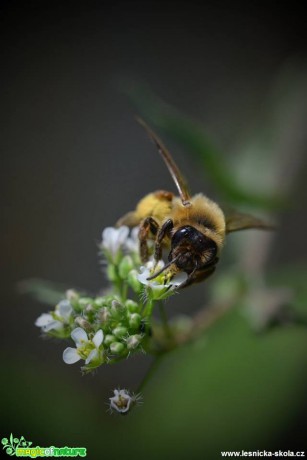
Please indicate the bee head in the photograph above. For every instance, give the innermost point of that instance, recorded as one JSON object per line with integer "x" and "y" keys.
{"x": 190, "y": 249}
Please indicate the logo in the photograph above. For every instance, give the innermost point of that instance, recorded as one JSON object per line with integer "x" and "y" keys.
{"x": 22, "y": 448}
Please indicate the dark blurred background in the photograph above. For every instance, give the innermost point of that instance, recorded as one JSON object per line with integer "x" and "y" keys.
{"x": 75, "y": 160}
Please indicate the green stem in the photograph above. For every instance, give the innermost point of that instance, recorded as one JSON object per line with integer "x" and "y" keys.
{"x": 148, "y": 308}
{"x": 164, "y": 318}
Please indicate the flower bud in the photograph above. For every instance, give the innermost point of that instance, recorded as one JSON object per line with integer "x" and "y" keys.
{"x": 104, "y": 315}
{"x": 116, "y": 308}
{"x": 133, "y": 341}
{"x": 72, "y": 295}
{"x": 99, "y": 301}
{"x": 89, "y": 308}
{"x": 83, "y": 323}
{"x": 117, "y": 347}
{"x": 132, "y": 306}
{"x": 133, "y": 281}
{"x": 135, "y": 320}
{"x": 109, "y": 339}
{"x": 85, "y": 301}
{"x": 125, "y": 266}
{"x": 120, "y": 332}
{"x": 111, "y": 273}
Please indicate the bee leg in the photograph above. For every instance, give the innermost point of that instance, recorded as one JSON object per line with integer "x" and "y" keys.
{"x": 197, "y": 276}
{"x": 163, "y": 232}
{"x": 149, "y": 225}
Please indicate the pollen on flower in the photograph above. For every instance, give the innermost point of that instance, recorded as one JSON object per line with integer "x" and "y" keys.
{"x": 161, "y": 286}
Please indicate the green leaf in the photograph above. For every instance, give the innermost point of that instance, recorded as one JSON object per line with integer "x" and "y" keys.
{"x": 44, "y": 291}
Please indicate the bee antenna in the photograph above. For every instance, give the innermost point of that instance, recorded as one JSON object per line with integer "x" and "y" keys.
{"x": 162, "y": 269}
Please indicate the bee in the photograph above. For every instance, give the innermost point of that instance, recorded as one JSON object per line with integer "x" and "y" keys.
{"x": 192, "y": 228}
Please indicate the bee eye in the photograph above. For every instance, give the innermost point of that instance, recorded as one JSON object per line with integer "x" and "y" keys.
{"x": 182, "y": 233}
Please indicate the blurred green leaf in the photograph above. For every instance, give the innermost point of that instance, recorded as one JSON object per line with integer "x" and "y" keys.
{"x": 44, "y": 291}
{"x": 232, "y": 389}
{"x": 191, "y": 136}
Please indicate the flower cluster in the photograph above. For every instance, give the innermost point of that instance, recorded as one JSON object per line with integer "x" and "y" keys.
{"x": 110, "y": 327}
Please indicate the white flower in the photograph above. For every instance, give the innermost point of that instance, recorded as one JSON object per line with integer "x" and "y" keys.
{"x": 132, "y": 243}
{"x": 57, "y": 319}
{"x": 113, "y": 240}
{"x": 163, "y": 285}
{"x": 122, "y": 401}
{"x": 86, "y": 349}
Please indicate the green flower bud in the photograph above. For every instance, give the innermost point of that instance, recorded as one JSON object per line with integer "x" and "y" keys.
{"x": 100, "y": 301}
{"x": 135, "y": 320}
{"x": 89, "y": 309}
{"x": 133, "y": 341}
{"x": 117, "y": 347}
{"x": 125, "y": 266}
{"x": 109, "y": 339}
{"x": 132, "y": 306}
{"x": 134, "y": 282}
{"x": 120, "y": 332}
{"x": 117, "y": 309}
{"x": 85, "y": 301}
{"x": 112, "y": 273}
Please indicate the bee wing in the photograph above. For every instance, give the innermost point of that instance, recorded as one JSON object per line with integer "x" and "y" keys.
{"x": 236, "y": 221}
{"x": 170, "y": 163}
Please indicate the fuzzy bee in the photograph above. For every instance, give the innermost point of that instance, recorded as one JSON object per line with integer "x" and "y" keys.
{"x": 193, "y": 228}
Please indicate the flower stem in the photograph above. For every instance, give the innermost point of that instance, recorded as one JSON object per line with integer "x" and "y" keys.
{"x": 164, "y": 318}
{"x": 148, "y": 308}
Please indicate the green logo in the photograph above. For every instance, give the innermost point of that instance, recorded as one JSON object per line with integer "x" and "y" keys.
{"x": 22, "y": 448}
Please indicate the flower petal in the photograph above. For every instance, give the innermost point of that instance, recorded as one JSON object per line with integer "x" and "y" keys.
{"x": 179, "y": 279}
{"x": 98, "y": 338}
{"x": 43, "y": 320}
{"x": 93, "y": 354}
{"x": 122, "y": 234}
{"x": 70, "y": 355}
{"x": 64, "y": 308}
{"x": 79, "y": 335}
{"x": 54, "y": 324}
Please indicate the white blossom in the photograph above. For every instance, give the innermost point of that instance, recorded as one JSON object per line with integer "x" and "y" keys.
{"x": 132, "y": 243}
{"x": 114, "y": 240}
{"x": 162, "y": 285}
{"x": 86, "y": 349}
{"x": 122, "y": 401}
{"x": 57, "y": 319}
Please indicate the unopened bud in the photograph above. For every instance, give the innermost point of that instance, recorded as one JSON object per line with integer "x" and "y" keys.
{"x": 89, "y": 308}
{"x": 116, "y": 308}
{"x": 133, "y": 341}
{"x": 125, "y": 266}
{"x": 134, "y": 282}
{"x": 85, "y": 301}
{"x": 72, "y": 295}
{"x": 132, "y": 306}
{"x": 117, "y": 347}
{"x": 83, "y": 323}
{"x": 109, "y": 339}
{"x": 111, "y": 273}
{"x": 135, "y": 320}
{"x": 120, "y": 332}
{"x": 104, "y": 315}
{"x": 99, "y": 302}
